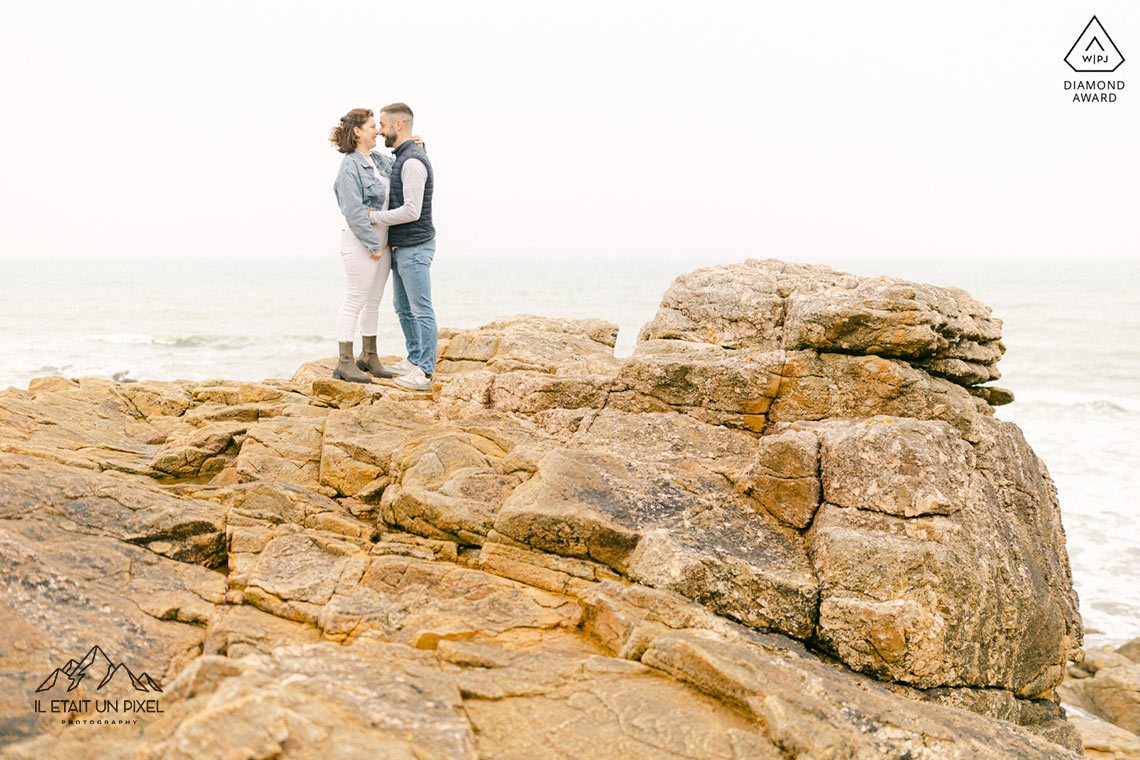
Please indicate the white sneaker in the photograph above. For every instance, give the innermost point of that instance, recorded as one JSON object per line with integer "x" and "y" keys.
{"x": 403, "y": 367}
{"x": 415, "y": 380}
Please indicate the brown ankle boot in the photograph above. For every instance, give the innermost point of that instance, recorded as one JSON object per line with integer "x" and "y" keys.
{"x": 369, "y": 360}
{"x": 346, "y": 368}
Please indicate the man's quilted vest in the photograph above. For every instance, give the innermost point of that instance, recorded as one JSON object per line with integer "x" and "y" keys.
{"x": 421, "y": 230}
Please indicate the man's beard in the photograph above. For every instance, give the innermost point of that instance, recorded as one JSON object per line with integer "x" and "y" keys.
{"x": 389, "y": 140}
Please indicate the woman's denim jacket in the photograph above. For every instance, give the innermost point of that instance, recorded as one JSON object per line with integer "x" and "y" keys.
{"x": 358, "y": 192}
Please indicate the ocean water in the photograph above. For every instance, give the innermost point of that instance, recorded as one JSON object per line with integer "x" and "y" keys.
{"x": 1071, "y": 327}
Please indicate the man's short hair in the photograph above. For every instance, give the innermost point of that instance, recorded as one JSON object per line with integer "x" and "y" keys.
{"x": 399, "y": 111}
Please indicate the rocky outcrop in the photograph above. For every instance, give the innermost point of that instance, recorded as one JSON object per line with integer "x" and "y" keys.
{"x": 1104, "y": 741}
{"x": 788, "y": 526}
{"x": 770, "y": 305}
{"x": 1106, "y": 684}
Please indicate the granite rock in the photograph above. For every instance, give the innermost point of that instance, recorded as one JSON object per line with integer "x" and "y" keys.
{"x": 788, "y": 525}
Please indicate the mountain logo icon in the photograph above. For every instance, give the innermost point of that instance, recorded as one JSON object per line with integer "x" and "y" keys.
{"x": 97, "y": 664}
{"x": 1094, "y": 50}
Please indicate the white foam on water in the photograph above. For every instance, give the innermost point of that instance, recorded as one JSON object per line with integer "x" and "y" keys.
{"x": 122, "y": 339}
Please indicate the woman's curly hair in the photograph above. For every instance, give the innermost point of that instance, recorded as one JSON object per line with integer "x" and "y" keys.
{"x": 342, "y": 137}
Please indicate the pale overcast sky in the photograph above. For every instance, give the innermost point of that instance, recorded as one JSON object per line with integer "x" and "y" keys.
{"x": 604, "y": 128}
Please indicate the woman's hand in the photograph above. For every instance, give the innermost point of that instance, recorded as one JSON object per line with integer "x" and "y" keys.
{"x": 418, "y": 140}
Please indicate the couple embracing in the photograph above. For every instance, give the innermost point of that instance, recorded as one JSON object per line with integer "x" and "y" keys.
{"x": 386, "y": 202}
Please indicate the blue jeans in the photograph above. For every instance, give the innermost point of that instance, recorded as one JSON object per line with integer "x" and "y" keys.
{"x": 411, "y": 296}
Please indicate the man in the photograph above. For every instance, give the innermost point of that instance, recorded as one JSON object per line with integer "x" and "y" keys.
{"x": 412, "y": 239}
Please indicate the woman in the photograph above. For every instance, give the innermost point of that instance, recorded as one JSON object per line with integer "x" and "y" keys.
{"x": 361, "y": 186}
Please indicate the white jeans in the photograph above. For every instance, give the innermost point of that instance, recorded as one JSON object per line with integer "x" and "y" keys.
{"x": 364, "y": 285}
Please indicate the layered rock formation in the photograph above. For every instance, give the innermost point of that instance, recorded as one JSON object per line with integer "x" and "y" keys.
{"x": 788, "y": 525}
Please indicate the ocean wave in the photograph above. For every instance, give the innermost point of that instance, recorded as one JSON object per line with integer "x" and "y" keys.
{"x": 187, "y": 341}
{"x": 50, "y": 369}
{"x": 307, "y": 338}
{"x": 228, "y": 342}
{"x": 122, "y": 338}
{"x": 222, "y": 342}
